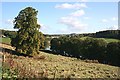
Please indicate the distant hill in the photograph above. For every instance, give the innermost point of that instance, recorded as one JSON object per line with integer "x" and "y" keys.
{"x": 101, "y": 34}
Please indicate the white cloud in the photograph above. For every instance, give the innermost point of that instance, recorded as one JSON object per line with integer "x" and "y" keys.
{"x": 87, "y": 18}
{"x": 44, "y": 28}
{"x": 104, "y": 20}
{"x": 114, "y": 18}
{"x": 78, "y": 13}
{"x": 9, "y": 21}
{"x": 63, "y": 30}
{"x": 109, "y": 20}
{"x": 84, "y": 0}
{"x": 73, "y": 23}
{"x": 71, "y": 6}
{"x": 115, "y": 27}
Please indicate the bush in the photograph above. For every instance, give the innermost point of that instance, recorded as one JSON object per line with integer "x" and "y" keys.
{"x": 113, "y": 53}
{"x": 10, "y": 34}
{"x": 94, "y": 48}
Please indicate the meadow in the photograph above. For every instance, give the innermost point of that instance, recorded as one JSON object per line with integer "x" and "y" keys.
{"x": 53, "y": 66}
{"x": 5, "y": 40}
{"x": 49, "y": 65}
{"x": 8, "y": 40}
{"x": 108, "y": 40}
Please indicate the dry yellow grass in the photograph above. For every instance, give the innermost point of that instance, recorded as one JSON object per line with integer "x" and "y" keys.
{"x": 57, "y": 66}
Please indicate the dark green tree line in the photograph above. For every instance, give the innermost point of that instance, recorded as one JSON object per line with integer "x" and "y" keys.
{"x": 89, "y": 48}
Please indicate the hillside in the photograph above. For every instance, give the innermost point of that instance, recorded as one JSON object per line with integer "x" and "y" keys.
{"x": 52, "y": 66}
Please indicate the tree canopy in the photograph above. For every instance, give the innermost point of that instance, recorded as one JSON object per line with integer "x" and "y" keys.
{"x": 87, "y": 48}
{"x": 27, "y": 40}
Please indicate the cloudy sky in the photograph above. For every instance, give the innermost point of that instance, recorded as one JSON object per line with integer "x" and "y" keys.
{"x": 65, "y": 17}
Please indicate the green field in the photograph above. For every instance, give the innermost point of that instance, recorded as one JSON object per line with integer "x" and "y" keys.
{"x": 8, "y": 40}
{"x": 111, "y": 40}
{"x": 108, "y": 40}
{"x": 5, "y": 40}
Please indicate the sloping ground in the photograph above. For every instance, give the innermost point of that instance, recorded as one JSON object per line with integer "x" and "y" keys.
{"x": 5, "y": 40}
{"x": 56, "y": 66}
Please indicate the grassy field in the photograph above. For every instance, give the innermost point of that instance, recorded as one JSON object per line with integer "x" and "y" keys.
{"x": 8, "y": 40}
{"x": 108, "y": 40}
{"x": 54, "y": 66}
{"x": 5, "y": 40}
{"x": 111, "y": 40}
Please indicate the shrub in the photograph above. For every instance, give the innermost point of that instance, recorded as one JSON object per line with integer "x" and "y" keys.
{"x": 94, "y": 48}
{"x": 113, "y": 53}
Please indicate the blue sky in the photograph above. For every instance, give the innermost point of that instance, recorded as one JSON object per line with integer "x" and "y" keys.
{"x": 65, "y": 17}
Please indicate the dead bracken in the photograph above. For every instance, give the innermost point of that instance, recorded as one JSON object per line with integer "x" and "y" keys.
{"x": 50, "y": 66}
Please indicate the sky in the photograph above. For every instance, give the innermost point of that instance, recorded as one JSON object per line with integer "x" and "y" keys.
{"x": 65, "y": 17}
